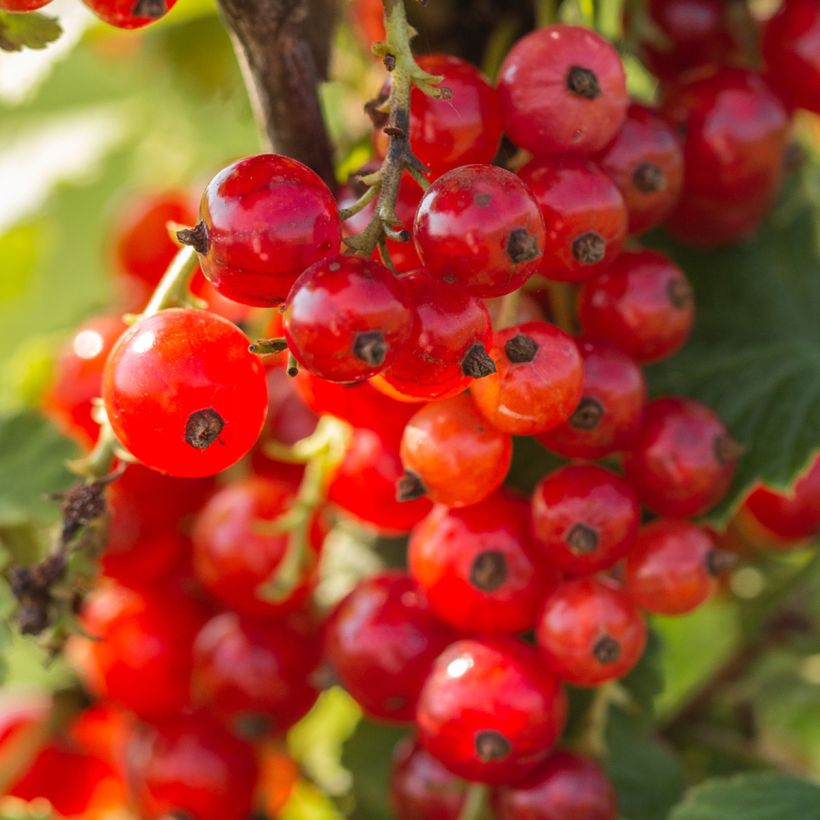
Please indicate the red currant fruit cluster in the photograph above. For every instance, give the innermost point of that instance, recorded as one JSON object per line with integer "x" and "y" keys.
{"x": 125, "y": 14}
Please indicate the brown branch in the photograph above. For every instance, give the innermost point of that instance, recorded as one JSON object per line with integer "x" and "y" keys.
{"x": 283, "y": 48}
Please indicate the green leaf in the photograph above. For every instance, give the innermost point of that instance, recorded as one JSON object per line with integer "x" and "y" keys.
{"x": 751, "y": 797}
{"x": 754, "y": 356}
{"x": 32, "y": 455}
{"x": 646, "y": 680}
{"x": 19, "y": 31}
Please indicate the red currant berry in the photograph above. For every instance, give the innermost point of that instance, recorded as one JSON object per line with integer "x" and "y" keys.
{"x": 538, "y": 379}
{"x": 608, "y": 416}
{"x": 382, "y": 640}
{"x": 683, "y": 460}
{"x": 672, "y": 567}
{"x": 584, "y": 213}
{"x": 22, "y": 5}
{"x": 462, "y": 128}
{"x": 448, "y": 348}
{"x": 346, "y": 318}
{"x": 421, "y": 788}
{"x": 645, "y": 161}
{"x": 643, "y": 304}
{"x": 183, "y": 393}
{"x": 693, "y": 33}
{"x": 452, "y": 455}
{"x": 791, "y": 49}
{"x": 141, "y": 657}
{"x": 477, "y": 566}
{"x": 479, "y": 227}
{"x": 787, "y": 517}
{"x": 589, "y": 632}
{"x": 584, "y": 518}
{"x": 562, "y": 91}
{"x": 489, "y": 710}
{"x": 77, "y": 378}
{"x": 565, "y": 786}
{"x": 264, "y": 220}
{"x": 365, "y": 484}
{"x": 234, "y": 556}
{"x": 191, "y": 767}
{"x": 129, "y": 14}
{"x": 253, "y": 675}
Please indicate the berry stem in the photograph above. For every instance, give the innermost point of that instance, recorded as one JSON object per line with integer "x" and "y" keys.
{"x": 593, "y": 739}
{"x": 509, "y": 310}
{"x": 475, "y": 801}
{"x": 562, "y": 304}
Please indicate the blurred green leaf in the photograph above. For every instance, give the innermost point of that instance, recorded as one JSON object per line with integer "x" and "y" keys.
{"x": 20, "y": 251}
{"x": 751, "y": 797}
{"x": 646, "y": 680}
{"x": 32, "y": 30}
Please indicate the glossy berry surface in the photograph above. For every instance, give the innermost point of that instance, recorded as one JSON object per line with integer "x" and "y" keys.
{"x": 645, "y": 161}
{"x": 489, "y": 710}
{"x": 346, "y": 318}
{"x": 671, "y": 568}
{"x": 264, "y": 220}
{"x": 142, "y": 659}
{"x": 22, "y": 5}
{"x": 563, "y": 91}
{"x": 684, "y": 458}
{"x": 77, "y": 378}
{"x": 191, "y": 766}
{"x": 183, "y": 393}
{"x": 791, "y": 49}
{"x": 233, "y": 554}
{"x": 477, "y": 566}
{"x": 589, "y": 632}
{"x": 452, "y": 454}
{"x": 128, "y": 14}
{"x": 608, "y": 415}
{"x": 382, "y": 640}
{"x": 643, "y": 304}
{"x": 565, "y": 786}
{"x": 537, "y": 383}
{"x": 479, "y": 227}
{"x": 448, "y": 346}
{"x": 464, "y": 128}
{"x": 253, "y": 675}
{"x": 584, "y": 518}
{"x": 420, "y": 787}
{"x": 584, "y": 214}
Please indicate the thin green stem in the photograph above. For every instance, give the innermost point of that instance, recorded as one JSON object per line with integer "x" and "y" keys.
{"x": 509, "y": 310}
{"x": 562, "y": 305}
{"x": 475, "y": 801}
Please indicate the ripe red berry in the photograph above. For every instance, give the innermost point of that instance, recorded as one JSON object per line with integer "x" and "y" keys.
{"x": 452, "y": 455}
{"x": 382, "y": 640}
{"x": 790, "y": 49}
{"x": 538, "y": 379}
{"x": 489, "y": 710}
{"x": 191, "y": 766}
{"x": 608, "y": 416}
{"x": 477, "y": 566}
{"x": 183, "y": 393}
{"x": 234, "y": 556}
{"x": 77, "y": 378}
{"x": 420, "y": 787}
{"x": 365, "y": 484}
{"x": 141, "y": 656}
{"x": 589, "y": 632}
{"x": 584, "y": 518}
{"x": 346, "y": 318}
{"x": 565, "y": 786}
{"x": 448, "y": 346}
{"x": 254, "y": 674}
{"x": 264, "y": 219}
{"x": 562, "y": 91}
{"x": 671, "y": 567}
{"x": 645, "y": 161}
{"x": 643, "y": 304}
{"x": 479, "y": 227}
{"x": 584, "y": 213}
{"x": 683, "y": 460}
{"x": 129, "y": 14}
{"x": 22, "y": 5}
{"x": 459, "y": 130}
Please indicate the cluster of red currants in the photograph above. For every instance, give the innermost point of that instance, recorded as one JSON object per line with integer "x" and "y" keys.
{"x": 506, "y": 598}
{"x": 126, "y": 14}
